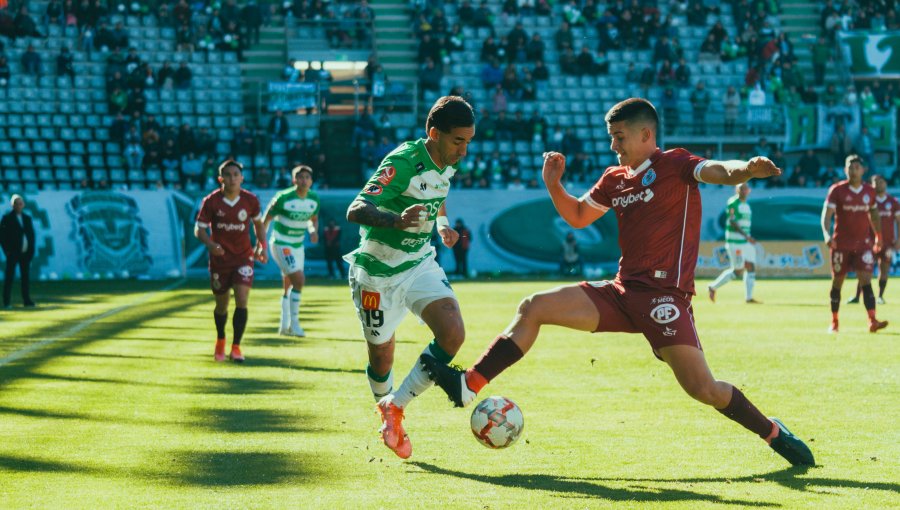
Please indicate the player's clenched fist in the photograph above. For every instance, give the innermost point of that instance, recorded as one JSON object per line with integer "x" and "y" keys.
{"x": 554, "y": 167}
{"x": 761, "y": 167}
{"x": 412, "y": 216}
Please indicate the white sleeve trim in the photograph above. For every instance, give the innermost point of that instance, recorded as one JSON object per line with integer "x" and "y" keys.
{"x": 202, "y": 224}
{"x": 586, "y": 198}
{"x": 697, "y": 169}
{"x": 831, "y": 205}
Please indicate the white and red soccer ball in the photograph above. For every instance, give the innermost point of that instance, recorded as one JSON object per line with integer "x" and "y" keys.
{"x": 497, "y": 422}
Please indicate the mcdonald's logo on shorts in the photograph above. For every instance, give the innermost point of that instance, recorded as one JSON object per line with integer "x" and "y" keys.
{"x": 285, "y": 251}
{"x": 371, "y": 300}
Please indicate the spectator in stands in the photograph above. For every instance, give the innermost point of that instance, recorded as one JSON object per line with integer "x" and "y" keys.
{"x": 137, "y": 101}
{"x": 278, "y": 128}
{"x": 165, "y": 78}
{"x": 251, "y": 17}
{"x": 185, "y": 38}
{"x": 134, "y": 154}
{"x": 169, "y": 158}
{"x": 669, "y": 106}
{"x": 54, "y": 14}
{"x": 683, "y": 74}
{"x": 104, "y": 40}
{"x": 31, "y": 62}
{"x": 296, "y": 153}
{"x": 487, "y": 126}
{"x": 151, "y": 124}
{"x": 5, "y": 74}
{"x": 118, "y": 100}
{"x": 183, "y": 76}
{"x": 730, "y": 50}
{"x": 191, "y": 170}
{"x": 731, "y": 102}
{"x": 807, "y": 171}
{"x": 430, "y": 76}
{"x": 563, "y": 38}
{"x": 841, "y": 145}
{"x": 483, "y": 17}
{"x": 710, "y": 49}
{"x": 700, "y": 100}
{"x": 499, "y": 100}
{"x": 568, "y": 62}
{"x": 582, "y": 168}
{"x": 763, "y": 148}
{"x": 527, "y": 87}
{"x": 665, "y": 77}
{"x": 242, "y": 145}
{"x": 865, "y": 147}
{"x": 491, "y": 74}
{"x": 504, "y": 126}
{"x": 25, "y": 25}
{"x": 540, "y": 73}
{"x": 535, "y": 48}
{"x": 490, "y": 50}
{"x": 648, "y": 75}
{"x": 538, "y": 127}
{"x": 429, "y": 47}
{"x": 65, "y": 64}
{"x": 571, "y": 144}
{"x": 120, "y": 36}
{"x": 455, "y": 40}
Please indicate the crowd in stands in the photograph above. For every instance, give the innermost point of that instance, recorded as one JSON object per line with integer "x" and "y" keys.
{"x": 347, "y": 24}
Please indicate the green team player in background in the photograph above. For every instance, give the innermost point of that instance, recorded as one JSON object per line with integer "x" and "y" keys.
{"x": 394, "y": 269}
{"x": 294, "y": 212}
{"x": 740, "y": 245}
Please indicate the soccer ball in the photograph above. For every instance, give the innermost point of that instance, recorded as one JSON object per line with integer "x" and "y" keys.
{"x": 497, "y": 422}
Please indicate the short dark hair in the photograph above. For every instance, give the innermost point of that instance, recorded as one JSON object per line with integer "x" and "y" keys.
{"x": 301, "y": 168}
{"x": 853, "y": 158}
{"x": 634, "y": 109}
{"x": 230, "y": 162}
{"x": 450, "y": 112}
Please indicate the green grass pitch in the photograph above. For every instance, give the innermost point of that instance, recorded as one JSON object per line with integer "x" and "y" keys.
{"x": 109, "y": 398}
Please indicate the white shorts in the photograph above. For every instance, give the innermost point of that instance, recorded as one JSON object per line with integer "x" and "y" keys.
{"x": 382, "y": 303}
{"x": 289, "y": 259}
{"x": 741, "y": 253}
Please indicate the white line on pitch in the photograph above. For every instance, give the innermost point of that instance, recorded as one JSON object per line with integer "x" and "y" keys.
{"x": 83, "y": 324}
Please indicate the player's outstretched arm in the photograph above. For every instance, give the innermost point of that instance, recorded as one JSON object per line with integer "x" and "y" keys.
{"x": 363, "y": 212}
{"x": 736, "y": 172}
{"x": 576, "y": 213}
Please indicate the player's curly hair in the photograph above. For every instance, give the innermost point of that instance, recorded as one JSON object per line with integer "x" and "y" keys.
{"x": 634, "y": 109}
{"x": 450, "y": 112}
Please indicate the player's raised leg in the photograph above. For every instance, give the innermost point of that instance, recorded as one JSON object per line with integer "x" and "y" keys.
{"x": 567, "y": 306}
{"x": 688, "y": 363}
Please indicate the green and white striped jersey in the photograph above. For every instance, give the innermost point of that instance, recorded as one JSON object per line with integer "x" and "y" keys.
{"x": 407, "y": 176}
{"x": 742, "y": 216}
{"x": 291, "y": 215}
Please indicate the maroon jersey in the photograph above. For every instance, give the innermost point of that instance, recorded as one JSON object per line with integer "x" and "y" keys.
{"x": 888, "y": 208}
{"x": 657, "y": 206}
{"x": 229, "y": 221}
{"x": 852, "y": 226}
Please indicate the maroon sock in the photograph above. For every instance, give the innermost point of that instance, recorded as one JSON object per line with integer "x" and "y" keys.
{"x": 744, "y": 412}
{"x": 502, "y": 353}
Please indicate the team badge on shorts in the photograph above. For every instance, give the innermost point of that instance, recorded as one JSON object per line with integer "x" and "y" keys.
{"x": 370, "y": 300}
{"x": 245, "y": 271}
{"x": 285, "y": 251}
{"x": 216, "y": 283}
{"x": 665, "y": 313}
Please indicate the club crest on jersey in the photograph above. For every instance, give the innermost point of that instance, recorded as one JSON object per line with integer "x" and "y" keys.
{"x": 865, "y": 199}
{"x": 373, "y": 189}
{"x": 370, "y": 300}
{"x": 242, "y": 215}
{"x": 665, "y": 313}
{"x": 387, "y": 175}
{"x": 649, "y": 177}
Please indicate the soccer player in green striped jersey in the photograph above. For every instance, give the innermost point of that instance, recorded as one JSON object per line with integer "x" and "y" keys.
{"x": 293, "y": 212}
{"x": 740, "y": 244}
{"x": 394, "y": 269}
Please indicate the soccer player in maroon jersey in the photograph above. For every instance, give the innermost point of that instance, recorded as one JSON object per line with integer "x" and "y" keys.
{"x": 227, "y": 213}
{"x": 851, "y": 205}
{"x": 655, "y": 198}
{"x": 889, "y": 211}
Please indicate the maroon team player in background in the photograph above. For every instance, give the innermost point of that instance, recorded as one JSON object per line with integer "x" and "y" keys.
{"x": 889, "y": 211}
{"x": 857, "y": 236}
{"x": 228, "y": 213}
{"x": 656, "y": 200}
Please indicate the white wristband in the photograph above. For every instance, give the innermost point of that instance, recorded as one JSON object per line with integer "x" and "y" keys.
{"x": 442, "y": 222}
{"x": 310, "y": 227}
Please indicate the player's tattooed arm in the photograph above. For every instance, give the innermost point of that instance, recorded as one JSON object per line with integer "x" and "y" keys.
{"x": 736, "y": 171}
{"x": 363, "y": 212}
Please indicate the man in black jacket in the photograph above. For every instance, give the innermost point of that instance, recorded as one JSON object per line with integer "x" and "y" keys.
{"x": 17, "y": 240}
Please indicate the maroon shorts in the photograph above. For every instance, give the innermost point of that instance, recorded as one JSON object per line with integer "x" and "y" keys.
{"x": 222, "y": 278}
{"x": 664, "y": 317}
{"x": 844, "y": 261}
